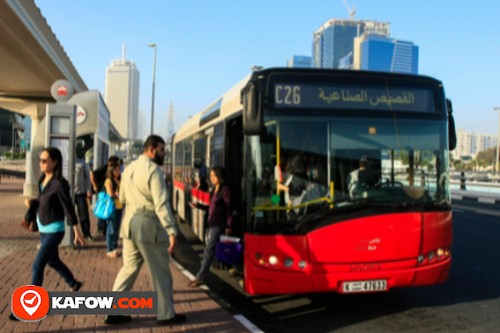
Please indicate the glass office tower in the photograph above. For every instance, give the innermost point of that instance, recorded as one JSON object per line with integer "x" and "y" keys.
{"x": 298, "y": 61}
{"x": 335, "y": 39}
{"x": 381, "y": 53}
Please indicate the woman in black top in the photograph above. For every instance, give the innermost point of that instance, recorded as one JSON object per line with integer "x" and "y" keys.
{"x": 53, "y": 205}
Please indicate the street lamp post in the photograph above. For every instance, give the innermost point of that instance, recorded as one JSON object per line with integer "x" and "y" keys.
{"x": 498, "y": 139}
{"x": 153, "y": 45}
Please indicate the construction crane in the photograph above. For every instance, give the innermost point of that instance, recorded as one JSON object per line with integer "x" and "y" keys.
{"x": 352, "y": 11}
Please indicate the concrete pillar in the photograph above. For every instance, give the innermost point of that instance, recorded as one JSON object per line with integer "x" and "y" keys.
{"x": 36, "y": 112}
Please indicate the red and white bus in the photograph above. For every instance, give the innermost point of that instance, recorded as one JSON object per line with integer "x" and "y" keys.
{"x": 366, "y": 154}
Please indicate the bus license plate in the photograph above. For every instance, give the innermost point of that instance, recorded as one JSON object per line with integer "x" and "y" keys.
{"x": 364, "y": 286}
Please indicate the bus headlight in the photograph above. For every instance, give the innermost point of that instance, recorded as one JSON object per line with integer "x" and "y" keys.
{"x": 281, "y": 262}
{"x": 434, "y": 256}
{"x": 273, "y": 260}
{"x": 420, "y": 258}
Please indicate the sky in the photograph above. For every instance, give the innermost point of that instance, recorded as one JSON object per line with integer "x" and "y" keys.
{"x": 205, "y": 47}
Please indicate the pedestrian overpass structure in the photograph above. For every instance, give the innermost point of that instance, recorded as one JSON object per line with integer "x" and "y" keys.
{"x": 31, "y": 60}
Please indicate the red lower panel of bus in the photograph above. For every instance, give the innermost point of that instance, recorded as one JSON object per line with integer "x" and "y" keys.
{"x": 368, "y": 254}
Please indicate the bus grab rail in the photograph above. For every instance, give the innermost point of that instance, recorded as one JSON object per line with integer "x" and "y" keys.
{"x": 305, "y": 204}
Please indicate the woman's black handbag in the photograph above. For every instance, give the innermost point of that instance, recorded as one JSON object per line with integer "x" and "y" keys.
{"x": 29, "y": 220}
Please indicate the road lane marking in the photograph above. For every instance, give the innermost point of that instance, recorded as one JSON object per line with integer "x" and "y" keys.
{"x": 486, "y": 200}
{"x": 248, "y": 324}
{"x": 240, "y": 318}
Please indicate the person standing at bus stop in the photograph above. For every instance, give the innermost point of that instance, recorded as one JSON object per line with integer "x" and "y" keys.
{"x": 148, "y": 231}
{"x": 112, "y": 186}
{"x": 219, "y": 217}
{"x": 83, "y": 192}
{"x": 97, "y": 178}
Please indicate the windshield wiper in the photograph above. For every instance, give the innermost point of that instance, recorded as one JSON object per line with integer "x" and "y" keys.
{"x": 365, "y": 202}
{"x": 327, "y": 206}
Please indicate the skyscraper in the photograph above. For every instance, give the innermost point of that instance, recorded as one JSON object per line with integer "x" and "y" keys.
{"x": 382, "y": 53}
{"x": 122, "y": 96}
{"x": 334, "y": 40}
{"x": 300, "y": 62}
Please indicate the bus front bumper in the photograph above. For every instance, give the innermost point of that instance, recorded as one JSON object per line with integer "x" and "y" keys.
{"x": 331, "y": 278}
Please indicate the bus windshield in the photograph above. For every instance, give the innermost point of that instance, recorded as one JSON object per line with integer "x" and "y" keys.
{"x": 307, "y": 168}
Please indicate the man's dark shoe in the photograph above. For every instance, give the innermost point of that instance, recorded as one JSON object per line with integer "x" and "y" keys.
{"x": 77, "y": 286}
{"x": 177, "y": 319}
{"x": 116, "y": 319}
{"x": 12, "y": 317}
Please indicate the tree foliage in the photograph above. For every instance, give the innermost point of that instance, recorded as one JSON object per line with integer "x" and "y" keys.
{"x": 486, "y": 157}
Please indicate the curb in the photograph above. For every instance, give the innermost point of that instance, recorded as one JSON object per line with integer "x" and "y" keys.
{"x": 240, "y": 318}
{"x": 488, "y": 200}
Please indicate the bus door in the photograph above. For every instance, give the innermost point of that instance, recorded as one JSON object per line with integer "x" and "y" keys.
{"x": 182, "y": 184}
{"x": 234, "y": 168}
{"x": 199, "y": 190}
{"x": 209, "y": 133}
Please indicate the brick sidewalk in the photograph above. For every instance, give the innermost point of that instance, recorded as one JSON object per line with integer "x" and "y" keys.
{"x": 90, "y": 265}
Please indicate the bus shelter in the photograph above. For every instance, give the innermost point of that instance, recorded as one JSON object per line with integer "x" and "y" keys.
{"x": 94, "y": 136}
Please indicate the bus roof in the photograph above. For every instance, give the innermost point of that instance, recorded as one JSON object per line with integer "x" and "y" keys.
{"x": 230, "y": 103}
{"x": 344, "y": 72}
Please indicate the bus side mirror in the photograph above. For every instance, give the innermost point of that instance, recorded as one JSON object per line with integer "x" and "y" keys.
{"x": 452, "y": 134}
{"x": 252, "y": 113}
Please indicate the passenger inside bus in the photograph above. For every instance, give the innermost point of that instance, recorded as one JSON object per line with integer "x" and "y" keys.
{"x": 316, "y": 171}
{"x": 300, "y": 189}
{"x": 267, "y": 182}
{"x": 317, "y": 186}
{"x": 294, "y": 184}
{"x": 362, "y": 178}
{"x": 199, "y": 175}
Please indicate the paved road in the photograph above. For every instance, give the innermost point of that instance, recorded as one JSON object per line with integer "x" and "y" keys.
{"x": 468, "y": 302}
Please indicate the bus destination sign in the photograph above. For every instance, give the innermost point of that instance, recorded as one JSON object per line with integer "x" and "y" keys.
{"x": 310, "y": 96}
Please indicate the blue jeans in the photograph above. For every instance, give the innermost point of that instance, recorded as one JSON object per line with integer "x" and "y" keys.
{"x": 209, "y": 252}
{"x": 49, "y": 254}
{"x": 113, "y": 230}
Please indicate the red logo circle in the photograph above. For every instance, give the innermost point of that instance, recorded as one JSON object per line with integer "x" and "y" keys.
{"x": 30, "y": 303}
{"x": 62, "y": 91}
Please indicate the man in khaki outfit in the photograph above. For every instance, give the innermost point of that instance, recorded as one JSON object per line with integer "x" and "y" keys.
{"x": 148, "y": 231}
